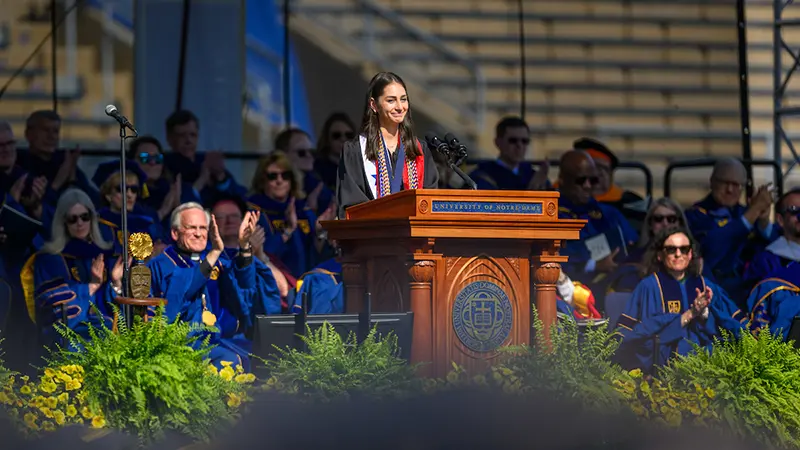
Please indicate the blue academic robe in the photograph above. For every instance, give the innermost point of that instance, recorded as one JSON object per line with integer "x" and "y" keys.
{"x": 268, "y": 298}
{"x": 491, "y": 175}
{"x": 602, "y": 220}
{"x": 726, "y": 242}
{"x": 229, "y": 293}
{"x": 37, "y": 167}
{"x": 110, "y": 224}
{"x": 774, "y": 258}
{"x": 775, "y": 301}
{"x": 52, "y": 280}
{"x": 655, "y": 309}
{"x": 190, "y": 171}
{"x": 323, "y": 289}
{"x": 298, "y": 253}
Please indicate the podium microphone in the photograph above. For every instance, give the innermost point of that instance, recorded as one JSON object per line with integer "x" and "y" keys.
{"x": 111, "y": 111}
{"x": 447, "y": 151}
{"x": 456, "y": 147}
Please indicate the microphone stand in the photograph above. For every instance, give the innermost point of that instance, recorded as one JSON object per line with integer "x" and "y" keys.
{"x": 470, "y": 182}
{"x": 127, "y": 310}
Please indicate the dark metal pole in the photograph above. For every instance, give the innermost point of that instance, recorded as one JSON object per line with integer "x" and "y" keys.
{"x": 744, "y": 91}
{"x": 777, "y": 81}
{"x": 287, "y": 82}
{"x": 182, "y": 56}
{"x": 522, "y": 62}
{"x": 53, "y": 49}
{"x": 123, "y": 189}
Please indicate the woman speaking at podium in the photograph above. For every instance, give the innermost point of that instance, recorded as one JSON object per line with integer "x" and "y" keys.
{"x": 386, "y": 157}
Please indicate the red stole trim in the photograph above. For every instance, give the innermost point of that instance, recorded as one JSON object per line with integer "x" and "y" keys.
{"x": 419, "y": 162}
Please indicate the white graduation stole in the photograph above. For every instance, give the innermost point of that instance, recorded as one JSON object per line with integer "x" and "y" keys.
{"x": 369, "y": 167}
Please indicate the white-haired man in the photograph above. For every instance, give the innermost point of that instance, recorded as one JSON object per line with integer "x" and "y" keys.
{"x": 203, "y": 285}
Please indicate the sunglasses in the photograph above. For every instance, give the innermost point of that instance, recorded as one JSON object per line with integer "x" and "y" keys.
{"x": 304, "y": 152}
{"x": 146, "y": 158}
{"x": 580, "y": 181}
{"x": 132, "y": 189}
{"x": 336, "y": 135}
{"x": 672, "y": 249}
{"x": 656, "y": 218}
{"x": 272, "y": 176}
{"x": 84, "y": 217}
{"x": 523, "y": 141}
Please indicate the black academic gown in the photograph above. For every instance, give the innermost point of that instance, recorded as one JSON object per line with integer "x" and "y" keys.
{"x": 352, "y": 184}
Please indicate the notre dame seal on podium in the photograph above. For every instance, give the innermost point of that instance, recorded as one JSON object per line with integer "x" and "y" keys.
{"x": 482, "y": 316}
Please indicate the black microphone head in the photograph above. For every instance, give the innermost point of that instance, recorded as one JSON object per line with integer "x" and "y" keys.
{"x": 429, "y": 138}
{"x": 111, "y": 110}
{"x": 450, "y": 139}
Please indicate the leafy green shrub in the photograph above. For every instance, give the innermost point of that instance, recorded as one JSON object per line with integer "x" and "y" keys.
{"x": 335, "y": 368}
{"x": 654, "y": 400}
{"x": 147, "y": 379}
{"x": 756, "y": 385}
{"x": 577, "y": 365}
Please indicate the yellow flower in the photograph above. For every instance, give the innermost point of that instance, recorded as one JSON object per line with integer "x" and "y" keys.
{"x": 63, "y": 397}
{"x": 52, "y": 402}
{"x": 48, "y": 426}
{"x": 48, "y": 387}
{"x": 98, "y": 422}
{"x": 710, "y": 393}
{"x": 26, "y": 390}
{"x": 71, "y": 410}
{"x": 64, "y": 377}
{"x": 49, "y": 373}
{"x": 29, "y": 417}
{"x": 86, "y": 412}
{"x": 234, "y": 400}
{"x": 32, "y": 426}
{"x": 212, "y": 369}
{"x": 226, "y": 373}
{"x": 39, "y": 401}
{"x": 244, "y": 378}
{"x": 24, "y": 378}
{"x": 73, "y": 385}
{"x": 59, "y": 417}
{"x": 226, "y": 363}
{"x": 239, "y": 368}
{"x": 5, "y": 399}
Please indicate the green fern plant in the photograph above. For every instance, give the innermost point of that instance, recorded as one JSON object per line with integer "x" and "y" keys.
{"x": 147, "y": 379}
{"x": 576, "y": 366}
{"x": 339, "y": 368}
{"x": 756, "y": 385}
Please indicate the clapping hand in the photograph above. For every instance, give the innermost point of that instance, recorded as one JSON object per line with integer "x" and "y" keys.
{"x": 248, "y": 227}
{"x": 217, "y": 244}
{"x": 702, "y": 300}
{"x": 539, "y": 180}
{"x": 257, "y": 240}
{"x": 291, "y": 215}
{"x": 98, "y": 269}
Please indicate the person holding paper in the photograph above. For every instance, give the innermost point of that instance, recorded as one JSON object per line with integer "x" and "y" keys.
{"x": 605, "y": 239}
{"x": 386, "y": 157}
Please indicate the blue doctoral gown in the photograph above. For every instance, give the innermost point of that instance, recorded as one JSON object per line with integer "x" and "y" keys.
{"x": 298, "y": 253}
{"x": 726, "y": 242}
{"x": 268, "y": 298}
{"x": 655, "y": 309}
{"x": 229, "y": 293}
{"x": 492, "y": 175}
{"x": 602, "y": 220}
{"x": 779, "y": 255}
{"x": 323, "y": 288}
{"x": 775, "y": 302}
{"x": 52, "y": 280}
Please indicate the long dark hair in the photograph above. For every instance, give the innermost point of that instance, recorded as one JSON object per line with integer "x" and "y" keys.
{"x": 651, "y": 261}
{"x": 371, "y": 127}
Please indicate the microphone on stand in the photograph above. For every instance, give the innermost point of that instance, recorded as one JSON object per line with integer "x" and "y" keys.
{"x": 447, "y": 151}
{"x": 112, "y": 111}
{"x": 456, "y": 147}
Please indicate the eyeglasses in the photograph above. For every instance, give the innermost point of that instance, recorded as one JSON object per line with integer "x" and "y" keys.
{"x": 146, "y": 158}
{"x": 84, "y": 217}
{"x": 657, "y": 218}
{"x": 304, "y": 152}
{"x": 131, "y": 189}
{"x": 580, "y": 181}
{"x": 523, "y": 141}
{"x": 672, "y": 249}
{"x": 272, "y": 176}
{"x": 336, "y": 135}
{"x": 791, "y": 211}
{"x": 728, "y": 183}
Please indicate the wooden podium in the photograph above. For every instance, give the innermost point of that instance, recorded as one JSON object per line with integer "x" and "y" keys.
{"x": 465, "y": 262}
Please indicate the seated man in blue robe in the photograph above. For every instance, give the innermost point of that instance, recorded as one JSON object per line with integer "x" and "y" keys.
{"x": 673, "y": 308}
{"x": 510, "y": 171}
{"x": 775, "y": 301}
{"x": 730, "y": 233}
{"x": 204, "y": 286}
{"x": 605, "y": 239}
{"x": 784, "y": 252}
{"x": 322, "y": 287}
